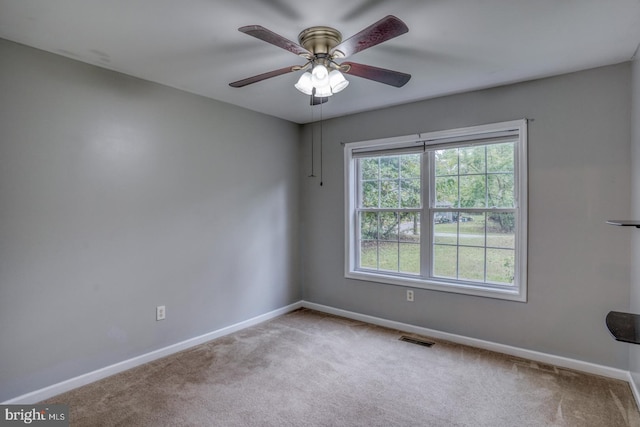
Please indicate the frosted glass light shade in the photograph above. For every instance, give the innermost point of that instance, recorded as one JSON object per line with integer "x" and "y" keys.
{"x": 323, "y": 91}
{"x": 320, "y": 76}
{"x": 337, "y": 81}
{"x": 304, "y": 84}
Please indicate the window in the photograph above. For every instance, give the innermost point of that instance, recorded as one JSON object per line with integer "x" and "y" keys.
{"x": 444, "y": 210}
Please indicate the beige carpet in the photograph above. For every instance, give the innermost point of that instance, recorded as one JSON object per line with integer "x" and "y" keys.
{"x": 311, "y": 369}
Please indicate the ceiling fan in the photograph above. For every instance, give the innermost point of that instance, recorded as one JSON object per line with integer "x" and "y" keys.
{"x": 322, "y": 47}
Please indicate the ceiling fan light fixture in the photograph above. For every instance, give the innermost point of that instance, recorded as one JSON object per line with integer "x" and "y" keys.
{"x": 304, "y": 84}
{"x": 337, "y": 81}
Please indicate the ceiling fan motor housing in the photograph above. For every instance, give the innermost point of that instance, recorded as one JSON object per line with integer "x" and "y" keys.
{"x": 320, "y": 40}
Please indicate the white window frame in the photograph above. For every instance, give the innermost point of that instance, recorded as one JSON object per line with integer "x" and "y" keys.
{"x": 429, "y": 141}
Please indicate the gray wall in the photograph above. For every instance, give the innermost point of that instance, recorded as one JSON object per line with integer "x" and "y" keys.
{"x": 634, "y": 350}
{"x": 579, "y": 176}
{"x": 117, "y": 195}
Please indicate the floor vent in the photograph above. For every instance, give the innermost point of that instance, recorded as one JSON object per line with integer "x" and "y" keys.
{"x": 416, "y": 341}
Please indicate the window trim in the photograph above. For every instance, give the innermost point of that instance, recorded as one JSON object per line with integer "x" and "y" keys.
{"x": 453, "y": 137}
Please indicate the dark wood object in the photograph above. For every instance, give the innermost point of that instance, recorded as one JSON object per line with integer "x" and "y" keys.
{"x": 624, "y": 222}
{"x": 624, "y": 327}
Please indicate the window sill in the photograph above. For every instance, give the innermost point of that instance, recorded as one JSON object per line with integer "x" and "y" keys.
{"x": 459, "y": 288}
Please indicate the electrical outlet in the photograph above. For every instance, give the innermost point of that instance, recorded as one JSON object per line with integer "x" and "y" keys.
{"x": 409, "y": 295}
{"x": 160, "y": 312}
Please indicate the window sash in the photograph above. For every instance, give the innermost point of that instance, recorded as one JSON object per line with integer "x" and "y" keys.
{"x": 400, "y": 241}
{"x": 486, "y": 246}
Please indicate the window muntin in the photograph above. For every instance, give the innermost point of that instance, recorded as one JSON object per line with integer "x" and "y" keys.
{"x": 458, "y": 224}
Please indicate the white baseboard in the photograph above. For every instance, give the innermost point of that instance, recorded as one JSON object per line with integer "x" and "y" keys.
{"x": 634, "y": 389}
{"x": 536, "y": 356}
{"x": 70, "y": 384}
{"x": 578, "y": 365}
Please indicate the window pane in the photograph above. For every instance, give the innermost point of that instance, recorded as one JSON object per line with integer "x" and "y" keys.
{"x": 388, "y": 226}
{"x": 388, "y": 256}
{"x": 409, "y": 227}
{"x": 472, "y": 231}
{"x": 501, "y": 230}
{"x": 471, "y": 263}
{"x": 446, "y": 162}
{"x": 410, "y": 166}
{"x": 447, "y": 192}
{"x": 501, "y": 190}
{"x": 445, "y": 230}
{"x": 389, "y": 167}
{"x": 500, "y": 157}
{"x": 369, "y": 254}
{"x": 389, "y": 194}
{"x": 472, "y": 191}
{"x": 368, "y": 226}
{"x": 370, "y": 194}
{"x": 410, "y": 258}
{"x": 501, "y": 266}
{"x": 410, "y": 249}
{"x": 369, "y": 168}
{"x": 472, "y": 160}
{"x": 445, "y": 261}
{"x": 410, "y": 193}
{"x": 501, "y": 222}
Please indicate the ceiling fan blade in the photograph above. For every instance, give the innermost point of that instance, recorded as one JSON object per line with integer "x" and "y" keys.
{"x": 269, "y": 36}
{"x": 263, "y": 76}
{"x": 383, "y": 30}
{"x": 389, "y": 77}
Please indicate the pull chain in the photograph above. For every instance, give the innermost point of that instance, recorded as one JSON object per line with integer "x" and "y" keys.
{"x": 312, "y": 140}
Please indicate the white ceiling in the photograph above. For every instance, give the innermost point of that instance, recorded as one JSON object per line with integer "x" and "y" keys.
{"x": 452, "y": 45}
